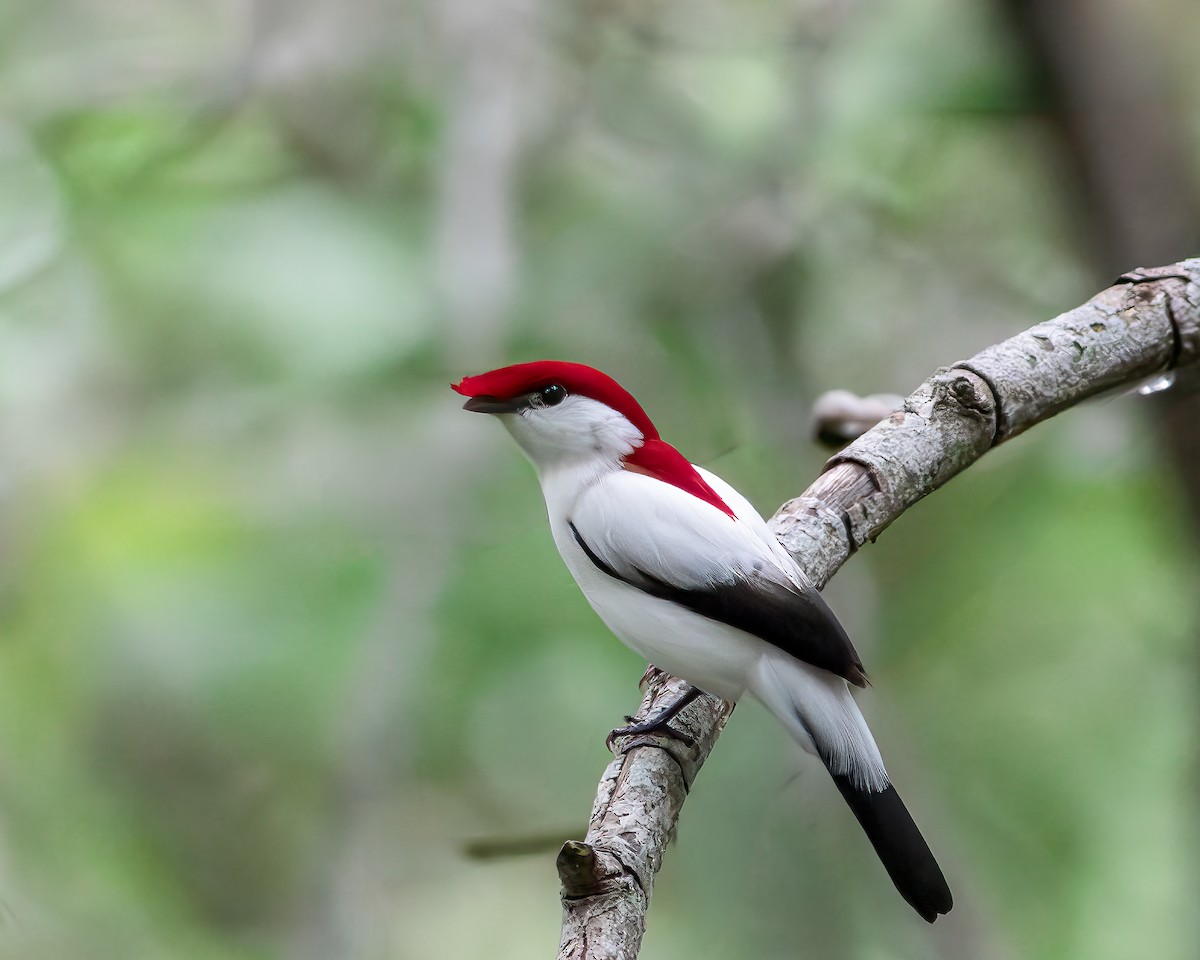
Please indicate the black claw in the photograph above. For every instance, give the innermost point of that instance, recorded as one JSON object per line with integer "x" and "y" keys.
{"x": 658, "y": 724}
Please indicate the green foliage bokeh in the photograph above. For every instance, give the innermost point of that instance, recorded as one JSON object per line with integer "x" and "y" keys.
{"x": 283, "y": 635}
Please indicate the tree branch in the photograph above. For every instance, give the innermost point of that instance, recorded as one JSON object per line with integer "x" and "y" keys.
{"x": 1147, "y": 323}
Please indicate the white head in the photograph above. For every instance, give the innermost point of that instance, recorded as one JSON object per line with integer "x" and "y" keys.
{"x": 571, "y": 417}
{"x": 561, "y": 413}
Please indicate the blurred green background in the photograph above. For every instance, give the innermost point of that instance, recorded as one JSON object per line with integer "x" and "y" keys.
{"x": 282, "y": 630}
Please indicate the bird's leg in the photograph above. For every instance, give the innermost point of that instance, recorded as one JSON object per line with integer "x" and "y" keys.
{"x": 659, "y": 723}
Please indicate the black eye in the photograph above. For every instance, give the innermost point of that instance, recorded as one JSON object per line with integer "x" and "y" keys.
{"x": 552, "y": 395}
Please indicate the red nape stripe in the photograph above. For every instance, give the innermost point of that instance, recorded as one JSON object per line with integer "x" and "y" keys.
{"x": 660, "y": 460}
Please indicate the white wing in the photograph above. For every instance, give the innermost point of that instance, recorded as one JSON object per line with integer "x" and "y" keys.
{"x": 672, "y": 545}
{"x": 758, "y": 526}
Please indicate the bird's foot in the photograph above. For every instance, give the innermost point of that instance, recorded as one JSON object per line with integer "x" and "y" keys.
{"x": 654, "y": 725}
{"x": 660, "y": 723}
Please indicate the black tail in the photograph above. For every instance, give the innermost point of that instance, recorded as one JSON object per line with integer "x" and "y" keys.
{"x": 904, "y": 852}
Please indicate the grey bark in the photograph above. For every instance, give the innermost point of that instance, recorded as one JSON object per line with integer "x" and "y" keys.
{"x": 1146, "y": 324}
{"x": 1131, "y": 184}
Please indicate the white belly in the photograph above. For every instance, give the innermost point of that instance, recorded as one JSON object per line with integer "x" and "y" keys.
{"x": 815, "y": 706}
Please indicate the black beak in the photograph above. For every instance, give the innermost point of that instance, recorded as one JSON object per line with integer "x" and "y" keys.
{"x": 491, "y": 405}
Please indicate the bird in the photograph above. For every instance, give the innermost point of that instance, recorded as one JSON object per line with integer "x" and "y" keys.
{"x": 683, "y": 569}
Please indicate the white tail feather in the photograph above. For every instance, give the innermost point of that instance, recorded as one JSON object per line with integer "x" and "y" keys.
{"x": 817, "y": 709}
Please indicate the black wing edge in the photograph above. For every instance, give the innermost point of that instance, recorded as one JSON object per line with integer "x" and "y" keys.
{"x": 800, "y": 624}
{"x": 901, "y": 848}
